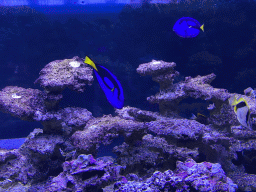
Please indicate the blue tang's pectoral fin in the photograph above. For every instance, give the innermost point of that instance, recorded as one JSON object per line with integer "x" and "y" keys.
{"x": 110, "y": 86}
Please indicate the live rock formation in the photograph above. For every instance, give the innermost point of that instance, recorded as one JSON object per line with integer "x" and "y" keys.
{"x": 150, "y": 151}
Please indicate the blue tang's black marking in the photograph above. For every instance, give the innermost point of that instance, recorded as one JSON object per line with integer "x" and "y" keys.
{"x": 109, "y": 84}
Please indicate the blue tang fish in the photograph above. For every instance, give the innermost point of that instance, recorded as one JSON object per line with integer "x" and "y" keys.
{"x": 108, "y": 83}
{"x": 187, "y": 27}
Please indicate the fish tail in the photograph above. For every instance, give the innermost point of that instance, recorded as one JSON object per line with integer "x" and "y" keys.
{"x": 90, "y": 62}
{"x": 202, "y": 27}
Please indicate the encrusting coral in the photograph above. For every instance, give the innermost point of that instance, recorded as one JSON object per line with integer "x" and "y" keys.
{"x": 155, "y": 151}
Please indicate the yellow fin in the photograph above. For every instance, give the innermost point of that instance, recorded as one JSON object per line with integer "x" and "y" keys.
{"x": 233, "y": 100}
{"x": 199, "y": 114}
{"x": 242, "y": 99}
{"x": 202, "y": 119}
{"x": 202, "y": 27}
{"x": 90, "y": 62}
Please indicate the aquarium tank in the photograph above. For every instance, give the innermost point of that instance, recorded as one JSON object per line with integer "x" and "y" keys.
{"x": 127, "y": 95}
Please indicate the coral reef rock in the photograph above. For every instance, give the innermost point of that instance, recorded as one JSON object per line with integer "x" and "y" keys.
{"x": 146, "y": 151}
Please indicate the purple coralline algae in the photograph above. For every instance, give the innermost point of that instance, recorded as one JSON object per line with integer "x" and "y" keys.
{"x": 151, "y": 151}
{"x": 71, "y": 73}
{"x": 171, "y": 93}
{"x": 21, "y": 102}
{"x": 188, "y": 176}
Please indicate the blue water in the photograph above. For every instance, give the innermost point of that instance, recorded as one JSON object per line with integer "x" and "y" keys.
{"x": 126, "y": 35}
{"x": 11, "y": 143}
